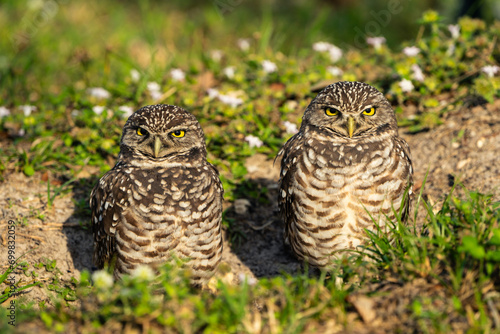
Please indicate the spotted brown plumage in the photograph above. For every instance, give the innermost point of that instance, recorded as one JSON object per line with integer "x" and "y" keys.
{"x": 346, "y": 167}
{"x": 161, "y": 200}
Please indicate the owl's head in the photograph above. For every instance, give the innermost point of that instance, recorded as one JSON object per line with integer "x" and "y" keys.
{"x": 162, "y": 132}
{"x": 350, "y": 110}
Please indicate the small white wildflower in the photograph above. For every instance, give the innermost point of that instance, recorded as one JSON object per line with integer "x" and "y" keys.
{"x": 143, "y": 272}
{"x": 411, "y": 51}
{"x": 290, "y": 127}
{"x": 247, "y": 278}
{"x": 21, "y": 133}
{"x": 229, "y": 72}
{"x": 27, "y": 109}
{"x": 269, "y": 66}
{"x": 177, "y": 74}
{"x": 253, "y": 141}
{"x": 335, "y": 53}
{"x": 406, "y": 85}
{"x": 154, "y": 90}
{"x": 376, "y": 42}
{"x": 127, "y": 111}
{"x": 418, "y": 75}
{"x": 135, "y": 75}
{"x": 155, "y": 95}
{"x": 98, "y": 93}
{"x": 212, "y": 93}
{"x": 230, "y": 100}
{"x": 490, "y": 70}
{"x": 216, "y": 55}
{"x": 98, "y": 109}
{"x": 75, "y": 112}
{"x": 4, "y": 112}
{"x": 102, "y": 279}
{"x": 322, "y": 46}
{"x": 243, "y": 44}
{"x": 153, "y": 87}
{"x": 454, "y": 30}
{"x": 335, "y": 71}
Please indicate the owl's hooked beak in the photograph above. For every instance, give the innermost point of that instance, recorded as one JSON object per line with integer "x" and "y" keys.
{"x": 351, "y": 126}
{"x": 158, "y": 146}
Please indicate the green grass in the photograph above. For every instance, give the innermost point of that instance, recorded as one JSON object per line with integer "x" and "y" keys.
{"x": 51, "y": 64}
{"x": 455, "y": 263}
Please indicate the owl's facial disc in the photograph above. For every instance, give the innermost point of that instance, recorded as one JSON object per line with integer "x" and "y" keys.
{"x": 160, "y": 143}
{"x": 350, "y": 110}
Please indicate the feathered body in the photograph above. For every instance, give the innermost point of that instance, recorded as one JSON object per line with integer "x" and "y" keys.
{"x": 161, "y": 199}
{"x": 346, "y": 167}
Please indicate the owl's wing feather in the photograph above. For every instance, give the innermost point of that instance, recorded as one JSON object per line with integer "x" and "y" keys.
{"x": 107, "y": 202}
{"x": 405, "y": 210}
{"x": 217, "y": 181}
{"x": 286, "y": 197}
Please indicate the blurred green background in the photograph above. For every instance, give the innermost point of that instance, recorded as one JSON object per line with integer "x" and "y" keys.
{"x": 65, "y": 35}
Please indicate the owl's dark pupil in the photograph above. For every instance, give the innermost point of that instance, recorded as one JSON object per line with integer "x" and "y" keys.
{"x": 177, "y": 132}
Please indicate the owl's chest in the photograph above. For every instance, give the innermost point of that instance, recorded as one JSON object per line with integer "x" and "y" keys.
{"x": 339, "y": 166}
{"x": 167, "y": 191}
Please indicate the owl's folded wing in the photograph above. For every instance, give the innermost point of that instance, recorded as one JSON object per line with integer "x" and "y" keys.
{"x": 107, "y": 202}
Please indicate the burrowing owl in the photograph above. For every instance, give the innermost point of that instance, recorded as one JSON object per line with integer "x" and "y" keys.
{"x": 162, "y": 198}
{"x": 345, "y": 167}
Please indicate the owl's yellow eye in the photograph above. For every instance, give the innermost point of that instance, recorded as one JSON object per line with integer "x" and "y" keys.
{"x": 178, "y": 133}
{"x": 141, "y": 132}
{"x": 331, "y": 111}
{"x": 369, "y": 111}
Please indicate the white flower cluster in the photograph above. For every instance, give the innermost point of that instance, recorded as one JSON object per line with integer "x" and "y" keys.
{"x": 454, "y": 30}
{"x": 418, "y": 75}
{"x": 98, "y": 93}
{"x": 177, "y": 74}
{"x": 253, "y": 141}
{"x": 290, "y": 127}
{"x": 216, "y": 55}
{"x": 27, "y": 109}
{"x": 143, "y": 273}
{"x": 135, "y": 75}
{"x": 126, "y": 110}
{"x": 269, "y": 66}
{"x": 229, "y": 99}
{"x": 4, "y": 112}
{"x": 335, "y": 71}
{"x": 98, "y": 109}
{"x": 229, "y": 72}
{"x": 411, "y": 51}
{"x": 102, "y": 279}
{"x": 406, "y": 85}
{"x": 242, "y": 277}
{"x": 154, "y": 90}
{"x": 490, "y": 70}
{"x": 243, "y": 44}
{"x": 334, "y": 51}
{"x": 376, "y": 42}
